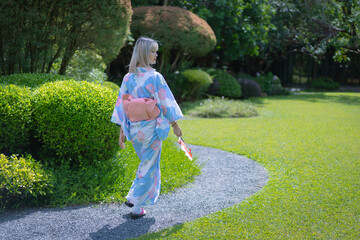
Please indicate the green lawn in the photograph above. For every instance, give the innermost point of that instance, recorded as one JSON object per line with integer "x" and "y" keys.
{"x": 310, "y": 145}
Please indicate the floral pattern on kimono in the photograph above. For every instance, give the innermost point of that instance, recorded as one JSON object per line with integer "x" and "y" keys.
{"x": 147, "y": 136}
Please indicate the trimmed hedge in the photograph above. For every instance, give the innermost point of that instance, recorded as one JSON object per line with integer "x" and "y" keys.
{"x": 72, "y": 121}
{"x": 111, "y": 85}
{"x": 31, "y": 80}
{"x": 228, "y": 86}
{"x": 197, "y": 84}
{"x": 15, "y": 119}
{"x": 22, "y": 181}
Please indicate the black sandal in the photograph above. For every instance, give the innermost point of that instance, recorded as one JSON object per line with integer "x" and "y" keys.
{"x": 129, "y": 204}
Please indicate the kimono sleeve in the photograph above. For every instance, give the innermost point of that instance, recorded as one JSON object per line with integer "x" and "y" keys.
{"x": 119, "y": 117}
{"x": 165, "y": 100}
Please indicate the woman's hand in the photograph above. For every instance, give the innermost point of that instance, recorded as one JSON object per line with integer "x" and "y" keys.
{"x": 176, "y": 129}
{"x": 121, "y": 139}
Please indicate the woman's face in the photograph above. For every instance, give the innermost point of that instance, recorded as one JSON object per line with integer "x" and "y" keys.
{"x": 153, "y": 55}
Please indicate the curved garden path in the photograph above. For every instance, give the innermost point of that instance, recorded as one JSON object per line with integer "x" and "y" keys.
{"x": 226, "y": 180}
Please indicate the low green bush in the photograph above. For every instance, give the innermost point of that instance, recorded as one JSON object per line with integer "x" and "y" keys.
{"x": 198, "y": 82}
{"x": 23, "y": 182}
{"x": 113, "y": 86}
{"x": 31, "y": 80}
{"x": 271, "y": 85}
{"x": 220, "y": 108}
{"x": 227, "y": 84}
{"x": 72, "y": 121}
{"x": 15, "y": 119}
{"x": 324, "y": 84}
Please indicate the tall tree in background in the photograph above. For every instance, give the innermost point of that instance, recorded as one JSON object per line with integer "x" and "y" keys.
{"x": 181, "y": 33}
{"x": 240, "y": 26}
{"x": 33, "y": 34}
{"x": 312, "y": 28}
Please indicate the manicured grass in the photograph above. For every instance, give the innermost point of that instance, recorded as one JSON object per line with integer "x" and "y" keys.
{"x": 310, "y": 145}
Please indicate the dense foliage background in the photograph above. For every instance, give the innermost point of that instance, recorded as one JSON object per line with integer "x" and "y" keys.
{"x": 34, "y": 34}
{"x": 299, "y": 41}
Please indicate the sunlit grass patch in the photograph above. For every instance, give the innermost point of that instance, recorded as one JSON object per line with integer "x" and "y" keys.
{"x": 310, "y": 146}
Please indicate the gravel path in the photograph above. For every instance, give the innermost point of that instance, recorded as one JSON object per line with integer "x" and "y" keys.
{"x": 226, "y": 180}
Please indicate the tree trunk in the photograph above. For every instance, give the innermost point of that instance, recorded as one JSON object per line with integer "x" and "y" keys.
{"x": 53, "y": 59}
{"x": 173, "y": 65}
{"x": 69, "y": 53}
{"x": 2, "y": 57}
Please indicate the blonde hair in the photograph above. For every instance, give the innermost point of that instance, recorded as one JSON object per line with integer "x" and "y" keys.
{"x": 141, "y": 52}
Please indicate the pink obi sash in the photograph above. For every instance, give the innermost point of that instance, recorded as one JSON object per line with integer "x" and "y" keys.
{"x": 139, "y": 109}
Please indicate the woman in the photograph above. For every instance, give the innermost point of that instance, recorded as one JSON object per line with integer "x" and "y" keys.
{"x": 146, "y": 136}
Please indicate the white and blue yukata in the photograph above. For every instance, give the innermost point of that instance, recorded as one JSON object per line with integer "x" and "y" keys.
{"x": 147, "y": 136}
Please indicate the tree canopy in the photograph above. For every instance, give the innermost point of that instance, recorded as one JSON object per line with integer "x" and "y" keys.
{"x": 271, "y": 28}
{"x": 33, "y": 34}
{"x": 177, "y": 30}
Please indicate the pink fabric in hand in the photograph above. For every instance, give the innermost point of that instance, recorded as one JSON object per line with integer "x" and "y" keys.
{"x": 139, "y": 109}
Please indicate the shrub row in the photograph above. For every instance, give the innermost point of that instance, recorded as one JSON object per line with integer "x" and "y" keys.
{"x": 197, "y": 83}
{"x": 193, "y": 84}
{"x": 67, "y": 120}
{"x": 55, "y": 119}
{"x": 72, "y": 121}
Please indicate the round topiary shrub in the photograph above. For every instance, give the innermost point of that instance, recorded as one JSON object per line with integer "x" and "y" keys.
{"x": 228, "y": 86}
{"x": 197, "y": 83}
{"x": 72, "y": 121}
{"x": 15, "y": 119}
{"x": 31, "y": 80}
{"x": 22, "y": 181}
{"x": 111, "y": 85}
